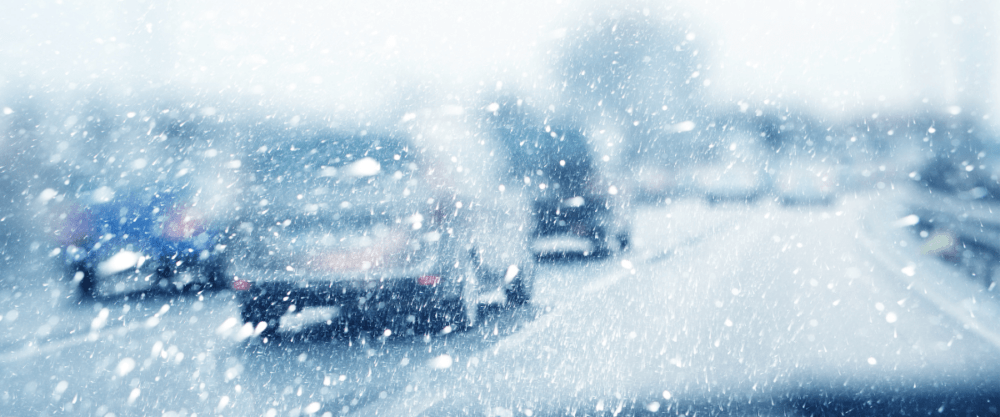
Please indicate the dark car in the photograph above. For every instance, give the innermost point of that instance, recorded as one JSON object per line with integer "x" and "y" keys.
{"x": 137, "y": 239}
{"x": 588, "y": 224}
{"x": 578, "y": 206}
{"x": 965, "y": 233}
{"x": 366, "y": 224}
{"x": 955, "y": 205}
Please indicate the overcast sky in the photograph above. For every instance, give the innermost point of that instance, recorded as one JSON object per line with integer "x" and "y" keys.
{"x": 840, "y": 57}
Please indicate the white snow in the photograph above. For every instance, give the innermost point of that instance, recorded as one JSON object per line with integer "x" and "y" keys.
{"x": 557, "y": 244}
{"x": 907, "y": 221}
{"x": 102, "y": 195}
{"x": 100, "y": 320}
{"x": 686, "y": 126}
{"x": 46, "y": 195}
{"x": 134, "y": 395}
{"x": 364, "y": 167}
{"x": 511, "y": 273}
{"x": 441, "y": 362}
{"x": 223, "y": 402}
{"x": 121, "y": 261}
{"x": 125, "y": 366}
{"x": 574, "y": 202}
{"x": 226, "y": 326}
{"x": 328, "y": 172}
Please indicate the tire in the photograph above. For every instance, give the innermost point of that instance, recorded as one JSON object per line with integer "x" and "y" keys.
{"x": 213, "y": 277}
{"x": 255, "y": 312}
{"x": 624, "y": 242}
{"x": 216, "y": 274}
{"x": 88, "y": 283}
{"x": 434, "y": 319}
{"x": 465, "y": 311}
{"x": 459, "y": 314}
{"x": 519, "y": 291}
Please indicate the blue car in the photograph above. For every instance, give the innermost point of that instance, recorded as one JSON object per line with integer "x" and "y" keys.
{"x": 138, "y": 240}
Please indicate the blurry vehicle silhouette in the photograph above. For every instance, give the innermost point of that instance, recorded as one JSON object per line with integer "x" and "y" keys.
{"x": 579, "y": 206}
{"x": 116, "y": 241}
{"x": 736, "y": 169}
{"x": 734, "y": 182}
{"x": 364, "y": 223}
{"x": 965, "y": 234}
{"x": 955, "y": 213}
{"x": 807, "y": 184}
{"x": 655, "y": 183}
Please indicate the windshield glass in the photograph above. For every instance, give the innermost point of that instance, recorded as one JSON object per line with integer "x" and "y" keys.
{"x": 334, "y": 173}
{"x": 336, "y": 204}
{"x": 510, "y": 208}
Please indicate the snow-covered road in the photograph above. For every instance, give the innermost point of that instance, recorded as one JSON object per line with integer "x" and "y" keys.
{"x": 716, "y": 307}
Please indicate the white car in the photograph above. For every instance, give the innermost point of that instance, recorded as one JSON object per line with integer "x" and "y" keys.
{"x": 811, "y": 184}
{"x": 733, "y": 182}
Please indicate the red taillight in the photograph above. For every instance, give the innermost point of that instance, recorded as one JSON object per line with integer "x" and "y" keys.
{"x": 429, "y": 280}
{"x": 183, "y": 223}
{"x": 240, "y": 285}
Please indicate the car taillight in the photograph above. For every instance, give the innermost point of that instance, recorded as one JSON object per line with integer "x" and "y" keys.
{"x": 183, "y": 223}
{"x": 428, "y": 280}
{"x": 240, "y": 285}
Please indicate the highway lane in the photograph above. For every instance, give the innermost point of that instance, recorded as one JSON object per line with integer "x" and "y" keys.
{"x": 782, "y": 299}
{"x": 714, "y": 302}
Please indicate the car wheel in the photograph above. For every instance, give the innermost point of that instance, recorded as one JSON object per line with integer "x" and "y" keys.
{"x": 216, "y": 276}
{"x": 165, "y": 278}
{"x": 520, "y": 290}
{"x": 453, "y": 315}
{"x": 624, "y": 242}
{"x": 257, "y": 311}
{"x": 467, "y": 306}
{"x": 86, "y": 280}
